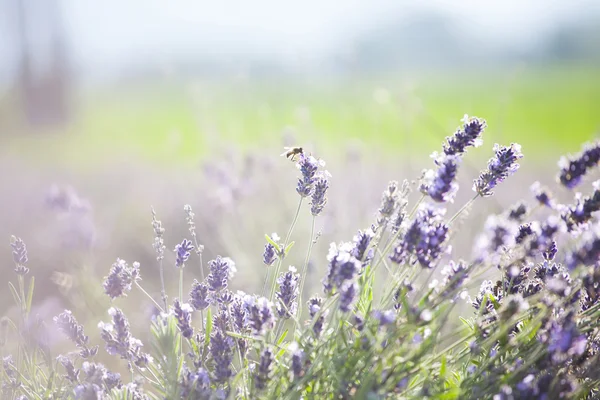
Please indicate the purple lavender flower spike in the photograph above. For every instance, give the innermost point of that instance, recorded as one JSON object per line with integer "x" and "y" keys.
{"x": 182, "y": 252}
{"x": 183, "y": 314}
{"x": 441, "y": 184}
{"x": 221, "y": 350}
{"x": 194, "y": 384}
{"x": 19, "y": 251}
{"x": 578, "y": 215}
{"x": 259, "y": 311}
{"x": 384, "y": 318}
{"x": 221, "y": 269}
{"x": 72, "y": 373}
{"x": 389, "y": 202}
{"x": 361, "y": 244}
{"x": 499, "y": 168}
{"x": 343, "y": 266}
{"x": 199, "y": 298}
{"x": 298, "y": 357}
{"x": 263, "y": 371}
{"x": 287, "y": 304}
{"x": 319, "y": 199}
{"x": 468, "y": 136}
{"x": 120, "y": 278}
{"x": 269, "y": 255}
{"x": 542, "y": 195}
{"x": 348, "y": 294}
{"x": 68, "y": 325}
{"x": 119, "y": 341}
{"x": 308, "y": 166}
{"x": 573, "y": 168}
{"x": 587, "y": 253}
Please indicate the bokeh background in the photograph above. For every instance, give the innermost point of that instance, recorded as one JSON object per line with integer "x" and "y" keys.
{"x": 110, "y": 108}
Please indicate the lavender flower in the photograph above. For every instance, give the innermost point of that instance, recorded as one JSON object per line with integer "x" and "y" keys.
{"x": 269, "y": 255}
{"x": 221, "y": 270}
{"x": 182, "y": 251}
{"x": 424, "y": 239}
{"x": 94, "y": 373}
{"x": 259, "y": 311}
{"x": 542, "y": 195}
{"x": 119, "y": 341}
{"x": 221, "y": 350}
{"x": 343, "y": 266}
{"x": 441, "y": 184}
{"x": 319, "y": 200}
{"x": 389, "y": 201}
{"x": 386, "y": 317}
{"x": 159, "y": 244}
{"x": 19, "y": 251}
{"x": 576, "y": 216}
{"x": 120, "y": 278}
{"x": 308, "y": 166}
{"x": 587, "y": 253}
{"x": 183, "y": 314}
{"x": 468, "y": 136}
{"x": 68, "y": 325}
{"x": 194, "y": 384}
{"x": 499, "y": 234}
{"x": 10, "y": 370}
{"x": 517, "y": 212}
{"x": 362, "y": 240}
{"x": 263, "y": 371}
{"x": 499, "y": 168}
{"x": 238, "y": 314}
{"x": 402, "y": 202}
{"x": 72, "y": 373}
{"x": 189, "y": 217}
{"x": 199, "y": 295}
{"x": 455, "y": 274}
{"x": 89, "y": 391}
{"x": 287, "y": 294}
{"x": 565, "y": 340}
{"x": 314, "y": 306}
{"x": 348, "y": 294}
{"x": 572, "y": 169}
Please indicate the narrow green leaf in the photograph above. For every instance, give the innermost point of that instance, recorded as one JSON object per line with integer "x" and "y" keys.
{"x": 14, "y": 292}
{"x": 282, "y": 337}
{"x": 30, "y": 293}
{"x": 443, "y": 366}
{"x": 209, "y": 326}
{"x": 273, "y": 243}
{"x": 289, "y": 247}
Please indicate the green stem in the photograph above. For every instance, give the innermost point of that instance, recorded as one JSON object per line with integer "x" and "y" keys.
{"x": 465, "y": 207}
{"x": 305, "y": 267}
{"x": 150, "y": 297}
{"x": 163, "y": 292}
{"x": 285, "y": 244}
{"x": 181, "y": 302}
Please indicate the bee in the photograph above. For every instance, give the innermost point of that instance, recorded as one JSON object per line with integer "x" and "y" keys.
{"x": 292, "y": 153}
{"x": 64, "y": 281}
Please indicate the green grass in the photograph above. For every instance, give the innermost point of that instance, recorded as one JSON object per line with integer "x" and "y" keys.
{"x": 546, "y": 110}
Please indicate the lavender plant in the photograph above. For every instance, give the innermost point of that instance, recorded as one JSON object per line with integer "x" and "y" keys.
{"x": 532, "y": 330}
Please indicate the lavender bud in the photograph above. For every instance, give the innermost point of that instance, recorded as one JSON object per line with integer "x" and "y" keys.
{"x": 183, "y": 314}
{"x": 72, "y": 373}
{"x": 542, "y": 195}
{"x": 455, "y": 274}
{"x": 259, "y": 314}
{"x": 89, "y": 391}
{"x": 361, "y": 244}
{"x": 499, "y": 168}
{"x": 221, "y": 270}
{"x": 308, "y": 166}
{"x": 387, "y": 317}
{"x": 389, "y": 201}
{"x": 94, "y": 373}
{"x": 287, "y": 294}
{"x": 182, "y": 252}
{"x": 348, "y": 294}
{"x": 314, "y": 306}
{"x": 269, "y": 255}
{"x": 441, "y": 184}
{"x": 263, "y": 371}
{"x": 68, "y": 325}
{"x": 194, "y": 384}
{"x": 468, "y": 136}
{"x": 19, "y": 251}
{"x": 120, "y": 278}
{"x": 573, "y": 168}
{"x": 159, "y": 244}
{"x": 119, "y": 341}
{"x": 238, "y": 314}
{"x": 319, "y": 200}
{"x": 199, "y": 296}
{"x": 577, "y": 216}
{"x": 221, "y": 350}
{"x": 342, "y": 267}
{"x": 499, "y": 234}
{"x": 517, "y": 212}
{"x": 587, "y": 253}
{"x": 298, "y": 360}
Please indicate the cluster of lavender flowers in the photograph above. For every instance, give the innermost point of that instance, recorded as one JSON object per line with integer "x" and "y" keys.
{"x": 377, "y": 332}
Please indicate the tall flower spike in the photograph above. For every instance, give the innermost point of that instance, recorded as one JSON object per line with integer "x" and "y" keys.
{"x": 259, "y": 311}
{"x": 221, "y": 269}
{"x": 120, "y": 278}
{"x": 182, "y": 252}
{"x": 287, "y": 304}
{"x": 578, "y": 215}
{"x": 264, "y": 369}
{"x": 19, "y": 251}
{"x": 499, "y": 168}
{"x": 441, "y": 184}
{"x": 183, "y": 314}
{"x": 389, "y": 200}
{"x": 542, "y": 195}
{"x": 574, "y": 168}
{"x": 468, "y": 135}
{"x": 319, "y": 198}
{"x": 159, "y": 244}
{"x": 221, "y": 350}
{"x": 308, "y": 166}
{"x": 199, "y": 296}
{"x": 68, "y": 325}
{"x": 269, "y": 255}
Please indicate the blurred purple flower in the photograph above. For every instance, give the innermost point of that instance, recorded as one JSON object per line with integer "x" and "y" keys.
{"x": 287, "y": 305}
{"x": 120, "y": 278}
{"x": 183, "y": 314}
{"x": 264, "y": 369}
{"x": 319, "y": 199}
{"x": 573, "y": 168}
{"x": 182, "y": 252}
{"x": 441, "y": 184}
{"x": 269, "y": 255}
{"x": 199, "y": 295}
{"x": 499, "y": 168}
{"x": 19, "y": 251}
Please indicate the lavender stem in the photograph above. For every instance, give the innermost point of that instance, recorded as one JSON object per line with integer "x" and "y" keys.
{"x": 305, "y": 267}
{"x": 467, "y": 205}
{"x": 150, "y": 297}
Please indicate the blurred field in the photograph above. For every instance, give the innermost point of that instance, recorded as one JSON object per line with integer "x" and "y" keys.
{"x": 548, "y": 110}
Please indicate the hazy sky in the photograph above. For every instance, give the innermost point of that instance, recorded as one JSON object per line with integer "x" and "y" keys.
{"x": 105, "y": 35}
